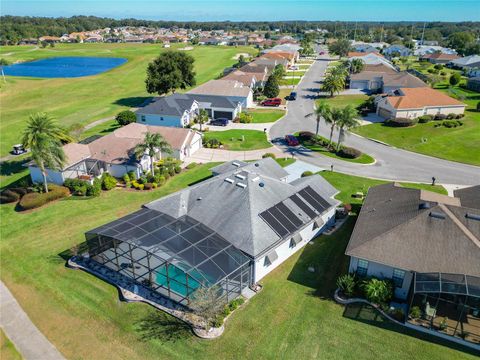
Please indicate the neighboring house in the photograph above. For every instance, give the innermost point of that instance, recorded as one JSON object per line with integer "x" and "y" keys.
{"x": 231, "y": 89}
{"x": 113, "y": 153}
{"x": 372, "y": 81}
{"x": 270, "y": 63}
{"x": 423, "y": 50}
{"x": 474, "y": 84}
{"x": 281, "y": 56}
{"x": 288, "y": 47}
{"x": 364, "y": 48}
{"x": 50, "y": 39}
{"x": 226, "y": 232}
{"x": 352, "y": 54}
{"x": 261, "y": 71}
{"x": 398, "y": 50}
{"x": 179, "y": 110}
{"x": 469, "y": 64}
{"x": 247, "y": 79}
{"x": 439, "y": 58}
{"x": 372, "y": 59}
{"x": 415, "y": 102}
{"x": 400, "y": 232}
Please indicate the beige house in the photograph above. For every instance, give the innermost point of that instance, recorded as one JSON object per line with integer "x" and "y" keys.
{"x": 414, "y": 102}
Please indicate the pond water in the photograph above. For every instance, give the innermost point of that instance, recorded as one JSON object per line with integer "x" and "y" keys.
{"x": 63, "y": 67}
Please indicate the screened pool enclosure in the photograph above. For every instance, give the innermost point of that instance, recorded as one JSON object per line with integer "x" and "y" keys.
{"x": 173, "y": 257}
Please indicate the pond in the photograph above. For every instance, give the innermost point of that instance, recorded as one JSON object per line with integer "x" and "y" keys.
{"x": 63, "y": 67}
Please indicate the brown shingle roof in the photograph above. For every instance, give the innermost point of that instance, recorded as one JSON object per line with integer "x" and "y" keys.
{"x": 223, "y": 87}
{"x": 75, "y": 153}
{"x": 441, "y": 56}
{"x": 243, "y": 77}
{"x": 402, "y": 79}
{"x": 358, "y": 53}
{"x": 394, "y": 229}
{"x": 420, "y": 97}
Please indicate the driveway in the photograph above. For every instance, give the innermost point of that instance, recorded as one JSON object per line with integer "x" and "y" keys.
{"x": 205, "y": 155}
{"x": 296, "y": 170}
{"x": 391, "y": 164}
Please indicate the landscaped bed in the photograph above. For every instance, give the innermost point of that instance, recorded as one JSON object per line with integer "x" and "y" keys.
{"x": 237, "y": 140}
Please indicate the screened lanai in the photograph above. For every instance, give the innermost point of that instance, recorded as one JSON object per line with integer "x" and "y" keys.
{"x": 449, "y": 303}
{"x": 173, "y": 257}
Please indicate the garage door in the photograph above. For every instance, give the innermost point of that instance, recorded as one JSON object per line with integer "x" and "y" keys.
{"x": 384, "y": 113}
{"x": 223, "y": 114}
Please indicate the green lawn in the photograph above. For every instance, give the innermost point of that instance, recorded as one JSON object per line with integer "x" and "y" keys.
{"x": 293, "y": 317}
{"x": 362, "y": 159}
{"x": 240, "y": 140}
{"x": 285, "y": 161}
{"x": 291, "y": 81}
{"x": 7, "y": 348}
{"x": 344, "y": 100}
{"x": 266, "y": 115}
{"x": 83, "y": 100}
{"x": 457, "y": 144}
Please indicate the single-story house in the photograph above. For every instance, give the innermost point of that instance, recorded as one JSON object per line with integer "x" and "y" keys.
{"x": 260, "y": 70}
{"x": 397, "y": 50}
{"x": 469, "y": 64}
{"x": 113, "y": 153}
{"x": 428, "y": 245}
{"x": 415, "y": 102}
{"x": 372, "y": 59}
{"x": 439, "y": 58}
{"x": 281, "y": 55}
{"x": 474, "y": 84}
{"x": 252, "y": 80}
{"x": 373, "y": 81}
{"x": 226, "y": 232}
{"x": 179, "y": 110}
{"x": 424, "y": 49}
{"x": 270, "y": 63}
{"x": 365, "y": 47}
{"x": 233, "y": 90}
{"x": 352, "y": 54}
{"x": 287, "y": 47}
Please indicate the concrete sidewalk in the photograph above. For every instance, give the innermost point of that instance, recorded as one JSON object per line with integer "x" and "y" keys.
{"x": 26, "y": 337}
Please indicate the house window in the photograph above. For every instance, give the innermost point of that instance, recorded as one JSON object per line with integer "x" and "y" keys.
{"x": 362, "y": 267}
{"x": 397, "y": 278}
{"x": 143, "y": 118}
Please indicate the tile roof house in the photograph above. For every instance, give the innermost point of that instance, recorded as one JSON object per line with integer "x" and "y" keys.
{"x": 113, "y": 153}
{"x": 439, "y": 58}
{"x": 415, "y": 102}
{"x": 415, "y": 231}
{"x": 252, "y": 80}
{"x": 246, "y": 211}
{"x": 469, "y": 64}
{"x": 232, "y": 89}
{"x": 373, "y": 81}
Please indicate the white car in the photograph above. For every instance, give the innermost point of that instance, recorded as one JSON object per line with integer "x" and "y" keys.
{"x": 293, "y": 67}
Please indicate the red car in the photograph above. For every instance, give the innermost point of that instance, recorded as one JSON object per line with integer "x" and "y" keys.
{"x": 272, "y": 102}
{"x": 291, "y": 140}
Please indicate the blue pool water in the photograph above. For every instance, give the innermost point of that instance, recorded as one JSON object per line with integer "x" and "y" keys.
{"x": 178, "y": 280}
{"x": 63, "y": 67}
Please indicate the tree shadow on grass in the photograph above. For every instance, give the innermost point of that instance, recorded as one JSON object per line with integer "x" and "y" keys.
{"x": 11, "y": 167}
{"x": 368, "y": 315}
{"x": 135, "y": 101}
{"x": 160, "y": 326}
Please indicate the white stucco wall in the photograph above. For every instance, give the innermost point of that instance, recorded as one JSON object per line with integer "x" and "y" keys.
{"x": 385, "y": 272}
{"x": 284, "y": 251}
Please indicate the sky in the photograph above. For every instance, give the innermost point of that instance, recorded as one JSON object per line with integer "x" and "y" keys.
{"x": 250, "y": 10}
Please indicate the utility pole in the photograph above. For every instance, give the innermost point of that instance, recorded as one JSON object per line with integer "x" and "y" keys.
{"x": 423, "y": 32}
{"x": 355, "y": 32}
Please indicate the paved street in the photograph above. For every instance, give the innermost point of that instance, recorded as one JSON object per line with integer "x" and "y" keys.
{"x": 391, "y": 164}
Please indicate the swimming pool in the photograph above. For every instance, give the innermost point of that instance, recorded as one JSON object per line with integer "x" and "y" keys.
{"x": 64, "y": 67}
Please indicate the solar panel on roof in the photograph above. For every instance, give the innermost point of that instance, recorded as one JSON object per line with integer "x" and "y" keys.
{"x": 282, "y": 219}
{"x": 317, "y": 197}
{"x": 308, "y": 198}
{"x": 304, "y": 207}
{"x": 290, "y": 215}
{"x": 274, "y": 223}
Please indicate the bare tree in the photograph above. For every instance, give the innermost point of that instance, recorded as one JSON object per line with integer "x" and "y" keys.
{"x": 206, "y": 305}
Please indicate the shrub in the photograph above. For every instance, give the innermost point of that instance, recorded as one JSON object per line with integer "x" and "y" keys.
{"x": 451, "y": 116}
{"x": 398, "y": 314}
{"x": 349, "y": 153}
{"x": 438, "y": 67}
{"x": 132, "y": 175}
{"x": 159, "y": 179}
{"x": 126, "y": 178}
{"x": 35, "y": 200}
{"x": 443, "y": 73}
{"x": 108, "y": 182}
{"x": 440, "y": 117}
{"x": 217, "y": 322}
{"x": 452, "y": 123}
{"x": 212, "y": 143}
{"x": 191, "y": 165}
{"x": 460, "y": 116}
{"x": 148, "y": 186}
{"x": 425, "y": 119}
{"x": 76, "y": 186}
{"x": 378, "y": 291}
{"x": 178, "y": 169}
{"x": 401, "y": 122}
{"x": 9, "y": 196}
{"x": 19, "y": 190}
{"x": 268, "y": 155}
{"x": 95, "y": 189}
{"x": 125, "y": 117}
{"x": 226, "y": 311}
{"x": 166, "y": 176}
{"x": 234, "y": 304}
{"x": 305, "y": 135}
{"x": 346, "y": 283}
{"x": 140, "y": 186}
{"x": 307, "y": 173}
{"x": 478, "y": 106}
{"x": 171, "y": 172}
{"x": 245, "y": 118}
{"x": 154, "y": 185}
{"x": 415, "y": 312}
{"x": 455, "y": 78}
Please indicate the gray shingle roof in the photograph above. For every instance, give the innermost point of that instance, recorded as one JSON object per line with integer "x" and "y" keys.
{"x": 394, "y": 229}
{"x": 233, "y": 211}
{"x": 469, "y": 197}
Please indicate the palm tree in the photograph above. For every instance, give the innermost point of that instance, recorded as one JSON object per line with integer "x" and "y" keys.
{"x": 44, "y": 139}
{"x": 356, "y": 66}
{"x": 333, "y": 83}
{"x": 347, "y": 120}
{"x": 152, "y": 144}
{"x": 202, "y": 118}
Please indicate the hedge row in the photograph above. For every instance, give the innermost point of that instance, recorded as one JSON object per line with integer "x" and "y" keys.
{"x": 35, "y": 200}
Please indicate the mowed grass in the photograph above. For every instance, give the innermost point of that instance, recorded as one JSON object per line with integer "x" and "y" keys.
{"x": 362, "y": 159}
{"x": 293, "y": 317}
{"x": 344, "y": 100}
{"x": 7, "y": 348}
{"x": 240, "y": 140}
{"x": 265, "y": 116}
{"x": 460, "y": 144}
{"x": 289, "y": 81}
{"x": 83, "y": 100}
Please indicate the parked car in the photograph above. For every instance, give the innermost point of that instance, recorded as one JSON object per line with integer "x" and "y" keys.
{"x": 291, "y": 140}
{"x": 18, "y": 149}
{"x": 219, "y": 122}
{"x": 321, "y": 53}
{"x": 272, "y": 102}
{"x": 293, "y": 67}
{"x": 292, "y": 96}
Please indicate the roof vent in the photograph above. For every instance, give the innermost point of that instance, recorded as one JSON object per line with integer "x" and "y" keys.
{"x": 229, "y": 180}
{"x": 424, "y": 205}
{"x": 437, "y": 215}
{"x": 199, "y": 198}
{"x": 257, "y": 164}
{"x": 472, "y": 216}
{"x": 261, "y": 184}
{"x": 236, "y": 164}
{"x": 239, "y": 176}
{"x": 242, "y": 185}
